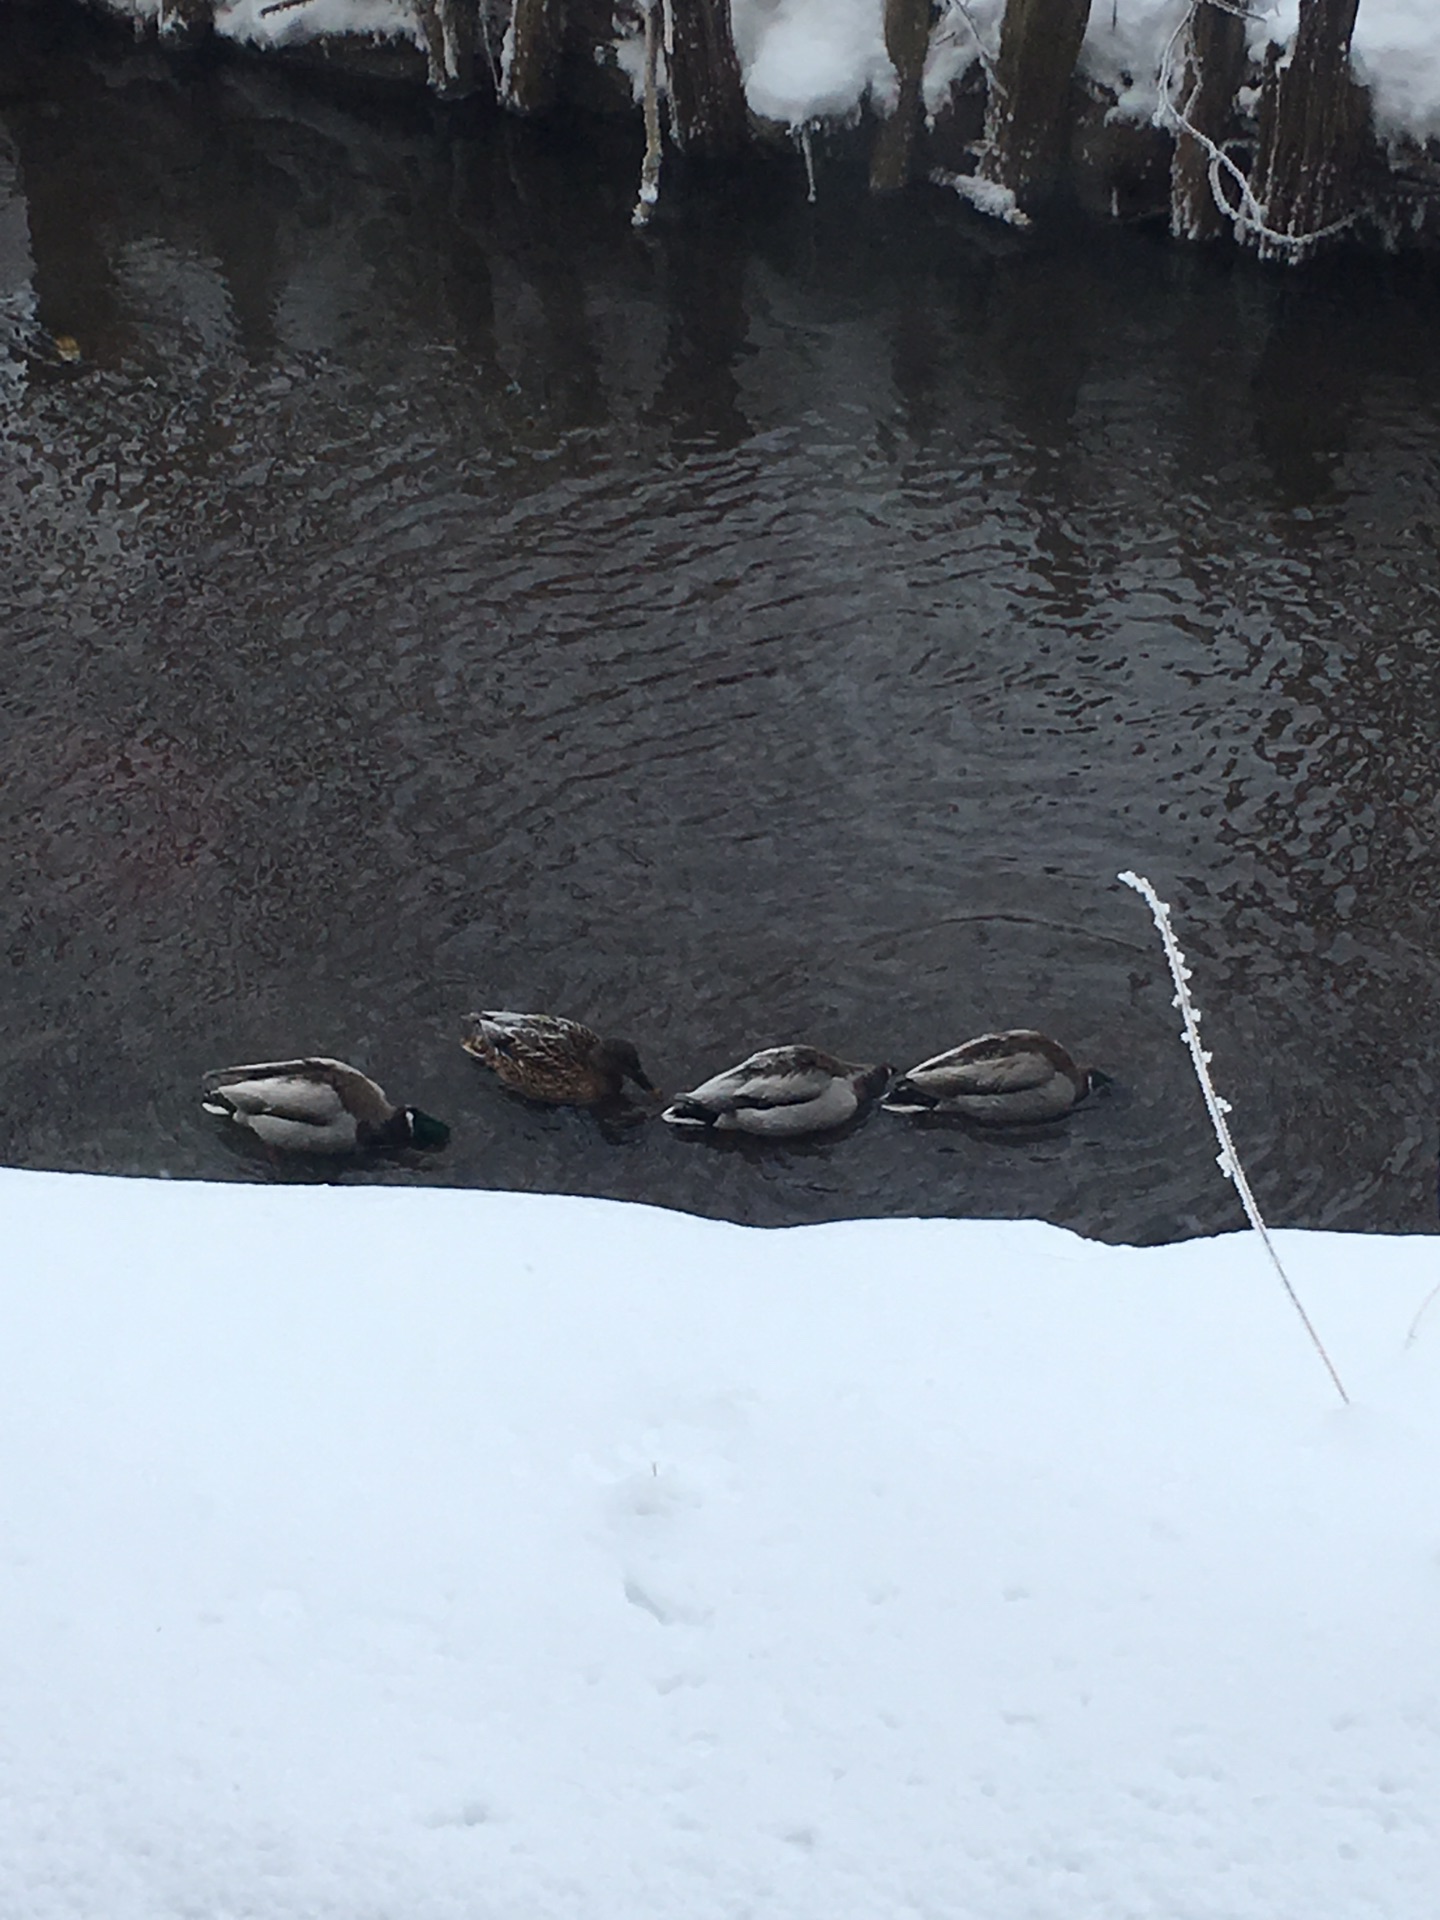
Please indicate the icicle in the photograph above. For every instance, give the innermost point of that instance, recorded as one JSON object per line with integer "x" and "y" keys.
{"x": 650, "y": 165}
{"x": 802, "y": 134}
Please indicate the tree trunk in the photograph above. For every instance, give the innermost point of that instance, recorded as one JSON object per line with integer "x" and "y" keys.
{"x": 449, "y": 28}
{"x": 535, "y": 41}
{"x": 706, "y": 97}
{"x": 587, "y": 81}
{"x": 907, "y": 41}
{"x": 1312, "y": 123}
{"x": 1214, "y": 69}
{"x": 1027, "y": 120}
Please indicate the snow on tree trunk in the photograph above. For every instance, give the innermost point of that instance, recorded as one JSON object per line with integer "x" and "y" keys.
{"x": 706, "y": 98}
{"x": 532, "y": 68}
{"x": 1312, "y": 123}
{"x": 1214, "y": 68}
{"x": 186, "y": 20}
{"x": 449, "y": 28}
{"x": 1027, "y": 118}
{"x": 907, "y": 40}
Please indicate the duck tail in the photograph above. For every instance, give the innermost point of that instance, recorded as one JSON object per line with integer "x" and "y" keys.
{"x": 874, "y": 1081}
{"x": 906, "y": 1097}
{"x": 688, "y": 1113}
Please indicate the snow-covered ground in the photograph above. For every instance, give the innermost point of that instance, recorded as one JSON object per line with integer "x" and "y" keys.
{"x": 807, "y": 59}
{"x": 378, "y": 1554}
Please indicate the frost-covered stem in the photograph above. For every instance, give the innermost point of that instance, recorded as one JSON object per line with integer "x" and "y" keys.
{"x": 650, "y": 165}
{"x": 1229, "y": 1160}
{"x": 1214, "y": 40}
{"x": 803, "y": 136}
{"x": 1246, "y": 212}
{"x": 996, "y": 202}
{"x": 1424, "y": 1308}
{"x": 982, "y": 52}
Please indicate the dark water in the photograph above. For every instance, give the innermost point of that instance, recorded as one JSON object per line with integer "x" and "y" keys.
{"x": 424, "y": 592}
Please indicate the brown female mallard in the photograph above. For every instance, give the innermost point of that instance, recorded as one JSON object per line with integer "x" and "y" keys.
{"x": 547, "y": 1058}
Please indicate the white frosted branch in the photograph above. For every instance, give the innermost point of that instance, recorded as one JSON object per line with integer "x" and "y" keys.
{"x": 1228, "y": 1159}
{"x": 650, "y": 165}
{"x": 1246, "y": 214}
{"x": 802, "y": 139}
{"x": 982, "y": 52}
{"x": 986, "y": 196}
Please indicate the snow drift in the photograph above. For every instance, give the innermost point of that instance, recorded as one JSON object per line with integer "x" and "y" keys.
{"x": 415, "y": 1555}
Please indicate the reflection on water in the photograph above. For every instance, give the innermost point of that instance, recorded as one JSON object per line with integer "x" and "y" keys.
{"x": 425, "y": 592}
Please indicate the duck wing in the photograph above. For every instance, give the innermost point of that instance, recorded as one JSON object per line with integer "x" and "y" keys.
{"x": 996, "y": 1063}
{"x": 513, "y": 1034}
{"x": 774, "y": 1077}
{"x": 314, "y": 1091}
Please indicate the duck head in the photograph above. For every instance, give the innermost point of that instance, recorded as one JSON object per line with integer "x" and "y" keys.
{"x": 422, "y": 1129}
{"x": 620, "y": 1061}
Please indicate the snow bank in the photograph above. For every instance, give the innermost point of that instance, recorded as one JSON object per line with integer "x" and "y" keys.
{"x": 1397, "y": 55}
{"x": 247, "y": 20}
{"x": 370, "y": 1552}
{"x": 805, "y": 60}
{"x": 261, "y": 23}
{"x": 1396, "y": 51}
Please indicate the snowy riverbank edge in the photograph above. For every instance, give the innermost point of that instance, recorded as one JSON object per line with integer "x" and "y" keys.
{"x": 818, "y": 79}
{"x": 809, "y": 60}
{"x": 386, "y": 1552}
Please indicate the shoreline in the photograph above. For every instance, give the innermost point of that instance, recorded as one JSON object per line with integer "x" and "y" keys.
{"x": 1106, "y": 137}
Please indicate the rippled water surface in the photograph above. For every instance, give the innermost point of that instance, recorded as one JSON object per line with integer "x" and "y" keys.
{"x": 424, "y": 592}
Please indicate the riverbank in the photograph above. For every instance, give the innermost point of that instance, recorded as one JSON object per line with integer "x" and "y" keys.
{"x": 410, "y": 1554}
{"x": 1278, "y": 130}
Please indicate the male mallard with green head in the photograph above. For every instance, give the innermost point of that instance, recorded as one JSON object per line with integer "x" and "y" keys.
{"x": 316, "y": 1106}
{"x": 780, "y": 1091}
{"x": 999, "y": 1079}
{"x": 547, "y": 1058}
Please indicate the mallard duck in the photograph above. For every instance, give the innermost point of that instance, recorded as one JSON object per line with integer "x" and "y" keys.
{"x": 999, "y": 1079}
{"x": 316, "y": 1106}
{"x": 547, "y": 1058}
{"x": 779, "y": 1091}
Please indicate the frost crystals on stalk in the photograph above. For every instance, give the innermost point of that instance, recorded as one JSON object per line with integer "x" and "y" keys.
{"x": 1227, "y": 1159}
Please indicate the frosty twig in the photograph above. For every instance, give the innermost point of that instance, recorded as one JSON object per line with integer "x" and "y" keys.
{"x": 1229, "y": 1160}
{"x": 982, "y": 52}
{"x": 1245, "y": 213}
{"x": 650, "y": 165}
